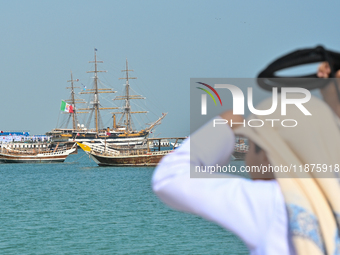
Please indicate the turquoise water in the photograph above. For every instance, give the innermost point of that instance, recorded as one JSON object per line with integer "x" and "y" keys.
{"x": 80, "y": 208}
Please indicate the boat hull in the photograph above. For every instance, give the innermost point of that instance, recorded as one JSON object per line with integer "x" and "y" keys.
{"x": 140, "y": 160}
{"x": 238, "y": 155}
{"x": 51, "y": 157}
{"x": 14, "y": 159}
{"x": 32, "y": 161}
{"x": 114, "y": 138}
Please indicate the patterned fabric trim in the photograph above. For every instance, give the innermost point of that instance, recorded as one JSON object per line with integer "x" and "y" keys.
{"x": 337, "y": 237}
{"x": 304, "y": 224}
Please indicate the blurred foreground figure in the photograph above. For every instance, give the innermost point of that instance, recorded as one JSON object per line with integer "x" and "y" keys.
{"x": 284, "y": 212}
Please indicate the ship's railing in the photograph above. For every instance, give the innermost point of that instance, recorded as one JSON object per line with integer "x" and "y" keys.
{"x": 113, "y": 153}
{"x": 102, "y": 150}
{"x": 129, "y": 153}
{"x": 134, "y": 153}
{"x": 241, "y": 148}
{"x": 161, "y": 152}
{"x": 33, "y": 151}
{"x": 144, "y": 149}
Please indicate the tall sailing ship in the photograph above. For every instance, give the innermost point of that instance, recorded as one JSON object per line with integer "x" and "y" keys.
{"x": 121, "y": 133}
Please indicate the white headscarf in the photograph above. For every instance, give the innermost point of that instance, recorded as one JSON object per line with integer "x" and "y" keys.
{"x": 312, "y": 198}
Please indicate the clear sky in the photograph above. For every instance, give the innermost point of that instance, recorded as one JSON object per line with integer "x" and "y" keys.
{"x": 166, "y": 43}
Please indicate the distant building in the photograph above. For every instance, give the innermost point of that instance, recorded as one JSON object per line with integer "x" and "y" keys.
{"x": 14, "y": 136}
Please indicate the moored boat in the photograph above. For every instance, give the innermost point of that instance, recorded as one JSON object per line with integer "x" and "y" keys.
{"x": 241, "y": 148}
{"x": 40, "y": 153}
{"x": 142, "y": 155}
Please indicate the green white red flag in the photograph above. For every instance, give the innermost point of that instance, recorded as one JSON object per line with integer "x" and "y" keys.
{"x": 65, "y": 107}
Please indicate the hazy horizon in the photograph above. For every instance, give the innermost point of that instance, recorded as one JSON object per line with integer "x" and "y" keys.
{"x": 166, "y": 44}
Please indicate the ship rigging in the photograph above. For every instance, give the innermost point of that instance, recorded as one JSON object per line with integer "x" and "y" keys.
{"x": 96, "y": 91}
{"x": 122, "y": 132}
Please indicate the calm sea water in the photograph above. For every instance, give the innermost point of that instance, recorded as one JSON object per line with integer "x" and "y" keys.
{"x": 80, "y": 208}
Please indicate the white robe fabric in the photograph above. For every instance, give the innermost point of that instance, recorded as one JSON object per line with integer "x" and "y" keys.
{"x": 254, "y": 210}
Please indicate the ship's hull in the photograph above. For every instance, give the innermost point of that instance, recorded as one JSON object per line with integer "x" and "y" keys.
{"x": 238, "y": 155}
{"x": 52, "y": 157}
{"x": 119, "y": 139}
{"x": 150, "y": 159}
{"x": 116, "y": 141}
{"x": 31, "y": 161}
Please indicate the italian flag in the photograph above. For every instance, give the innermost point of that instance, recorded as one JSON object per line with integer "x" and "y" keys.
{"x": 65, "y": 107}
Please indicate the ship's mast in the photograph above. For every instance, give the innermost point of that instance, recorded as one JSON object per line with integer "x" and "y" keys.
{"x": 127, "y": 97}
{"x": 96, "y": 101}
{"x": 96, "y": 91}
{"x": 74, "y": 101}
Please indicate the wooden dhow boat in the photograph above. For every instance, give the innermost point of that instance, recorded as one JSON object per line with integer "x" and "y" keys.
{"x": 241, "y": 149}
{"x": 36, "y": 153}
{"x": 139, "y": 155}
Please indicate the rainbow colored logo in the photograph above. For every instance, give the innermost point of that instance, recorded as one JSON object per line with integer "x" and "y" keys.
{"x": 209, "y": 93}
